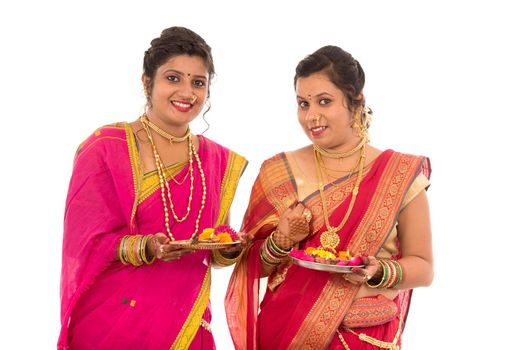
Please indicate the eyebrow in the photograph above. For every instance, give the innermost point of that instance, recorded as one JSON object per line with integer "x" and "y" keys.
{"x": 183, "y": 74}
{"x": 318, "y": 95}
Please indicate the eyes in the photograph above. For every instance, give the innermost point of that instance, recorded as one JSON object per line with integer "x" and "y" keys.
{"x": 303, "y": 104}
{"x": 199, "y": 83}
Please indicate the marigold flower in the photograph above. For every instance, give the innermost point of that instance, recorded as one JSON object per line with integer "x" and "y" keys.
{"x": 206, "y": 234}
{"x": 224, "y": 238}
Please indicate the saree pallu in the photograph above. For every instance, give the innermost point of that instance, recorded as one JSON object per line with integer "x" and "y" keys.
{"x": 303, "y": 308}
{"x": 108, "y": 305}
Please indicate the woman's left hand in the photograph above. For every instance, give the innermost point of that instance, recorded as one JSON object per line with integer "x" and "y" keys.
{"x": 363, "y": 274}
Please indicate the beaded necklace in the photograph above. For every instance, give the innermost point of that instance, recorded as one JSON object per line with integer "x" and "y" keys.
{"x": 164, "y": 185}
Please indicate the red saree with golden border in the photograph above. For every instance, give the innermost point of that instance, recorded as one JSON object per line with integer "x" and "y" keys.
{"x": 302, "y": 308}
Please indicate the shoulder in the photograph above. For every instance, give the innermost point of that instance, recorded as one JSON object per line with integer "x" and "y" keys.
{"x": 420, "y": 163}
{"x": 102, "y": 137}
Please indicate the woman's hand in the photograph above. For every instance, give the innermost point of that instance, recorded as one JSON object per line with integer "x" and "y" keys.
{"x": 293, "y": 226}
{"x": 234, "y": 250}
{"x": 158, "y": 246}
{"x": 362, "y": 275}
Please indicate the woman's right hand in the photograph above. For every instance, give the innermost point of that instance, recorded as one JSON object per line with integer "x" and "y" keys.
{"x": 158, "y": 246}
{"x": 293, "y": 226}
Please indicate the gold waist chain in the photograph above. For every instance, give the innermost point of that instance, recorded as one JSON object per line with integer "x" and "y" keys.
{"x": 373, "y": 341}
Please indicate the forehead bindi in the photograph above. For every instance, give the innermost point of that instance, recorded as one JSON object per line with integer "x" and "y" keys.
{"x": 190, "y": 66}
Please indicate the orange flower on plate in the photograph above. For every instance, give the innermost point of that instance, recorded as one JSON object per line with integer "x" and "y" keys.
{"x": 224, "y": 238}
{"x": 206, "y": 234}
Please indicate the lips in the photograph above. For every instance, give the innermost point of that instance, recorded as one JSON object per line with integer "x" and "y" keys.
{"x": 317, "y": 130}
{"x": 182, "y": 106}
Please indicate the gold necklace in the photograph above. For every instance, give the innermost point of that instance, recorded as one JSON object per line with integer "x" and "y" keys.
{"x": 159, "y": 131}
{"x": 329, "y": 176}
{"x": 164, "y": 185}
{"x": 330, "y": 238}
{"x": 339, "y": 155}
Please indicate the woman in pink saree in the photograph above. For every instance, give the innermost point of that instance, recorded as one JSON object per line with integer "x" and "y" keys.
{"x": 338, "y": 194}
{"x": 135, "y": 188}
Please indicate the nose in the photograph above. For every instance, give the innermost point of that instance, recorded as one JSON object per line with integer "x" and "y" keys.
{"x": 186, "y": 91}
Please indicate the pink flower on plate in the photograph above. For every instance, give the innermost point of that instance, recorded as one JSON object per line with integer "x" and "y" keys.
{"x": 226, "y": 229}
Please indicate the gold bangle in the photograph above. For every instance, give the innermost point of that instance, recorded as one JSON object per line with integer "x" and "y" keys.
{"x": 143, "y": 250}
{"x": 383, "y": 278}
{"x": 120, "y": 251}
{"x": 276, "y": 249}
{"x": 221, "y": 260}
{"x": 265, "y": 258}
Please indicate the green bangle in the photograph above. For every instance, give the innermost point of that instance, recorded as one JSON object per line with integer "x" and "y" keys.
{"x": 400, "y": 273}
{"x": 383, "y": 278}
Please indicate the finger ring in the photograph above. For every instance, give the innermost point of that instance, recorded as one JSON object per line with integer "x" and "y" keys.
{"x": 307, "y": 215}
{"x": 161, "y": 249}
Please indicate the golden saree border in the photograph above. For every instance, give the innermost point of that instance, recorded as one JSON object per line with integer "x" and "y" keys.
{"x": 381, "y": 216}
{"x": 193, "y": 320}
{"x": 282, "y": 190}
{"x": 326, "y": 315}
{"x": 330, "y": 308}
{"x": 135, "y": 169}
{"x": 236, "y": 164}
{"x": 151, "y": 181}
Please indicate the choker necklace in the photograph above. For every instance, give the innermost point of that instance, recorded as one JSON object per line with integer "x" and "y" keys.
{"x": 330, "y": 238}
{"x": 340, "y": 155}
{"x": 171, "y": 138}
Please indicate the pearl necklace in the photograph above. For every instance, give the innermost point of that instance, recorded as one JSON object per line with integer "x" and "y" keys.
{"x": 330, "y": 238}
{"x": 164, "y": 185}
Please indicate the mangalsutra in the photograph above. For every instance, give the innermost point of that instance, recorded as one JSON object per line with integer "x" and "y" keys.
{"x": 164, "y": 185}
{"x": 340, "y": 155}
{"x": 330, "y": 238}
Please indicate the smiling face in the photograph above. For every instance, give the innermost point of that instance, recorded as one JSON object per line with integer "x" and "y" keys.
{"x": 323, "y": 112}
{"x": 178, "y": 91}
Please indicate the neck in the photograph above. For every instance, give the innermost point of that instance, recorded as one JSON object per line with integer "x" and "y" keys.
{"x": 344, "y": 150}
{"x": 176, "y": 130}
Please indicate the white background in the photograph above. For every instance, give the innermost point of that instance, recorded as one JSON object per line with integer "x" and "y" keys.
{"x": 441, "y": 79}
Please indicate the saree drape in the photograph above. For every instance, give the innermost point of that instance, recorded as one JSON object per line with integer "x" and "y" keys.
{"x": 302, "y": 308}
{"x": 108, "y": 305}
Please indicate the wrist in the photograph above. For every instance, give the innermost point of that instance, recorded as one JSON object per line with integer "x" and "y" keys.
{"x": 282, "y": 241}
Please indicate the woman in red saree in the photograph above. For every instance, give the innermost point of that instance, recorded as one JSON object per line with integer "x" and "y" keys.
{"x": 338, "y": 193}
{"x": 135, "y": 187}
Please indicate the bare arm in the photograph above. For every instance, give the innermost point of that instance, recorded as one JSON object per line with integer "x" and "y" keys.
{"x": 415, "y": 237}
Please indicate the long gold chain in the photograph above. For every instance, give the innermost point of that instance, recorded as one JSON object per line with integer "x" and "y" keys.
{"x": 330, "y": 238}
{"x": 164, "y": 134}
{"x": 340, "y": 155}
{"x": 164, "y": 184}
{"x": 349, "y": 172}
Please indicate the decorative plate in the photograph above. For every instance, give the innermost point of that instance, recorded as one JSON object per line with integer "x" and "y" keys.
{"x": 323, "y": 267}
{"x": 188, "y": 244}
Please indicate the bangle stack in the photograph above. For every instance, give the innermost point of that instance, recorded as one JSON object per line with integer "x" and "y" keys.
{"x": 392, "y": 274}
{"x": 270, "y": 253}
{"x": 132, "y": 250}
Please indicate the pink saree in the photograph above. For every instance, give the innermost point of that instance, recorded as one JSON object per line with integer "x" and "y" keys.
{"x": 108, "y": 305}
{"x": 302, "y": 308}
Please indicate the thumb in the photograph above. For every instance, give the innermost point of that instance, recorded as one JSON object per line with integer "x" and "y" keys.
{"x": 161, "y": 238}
